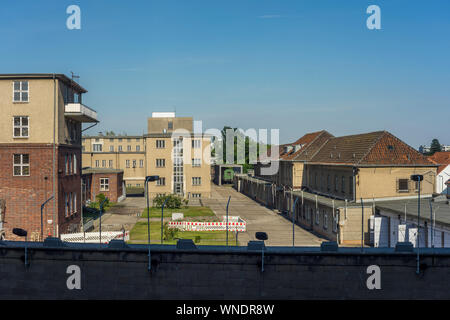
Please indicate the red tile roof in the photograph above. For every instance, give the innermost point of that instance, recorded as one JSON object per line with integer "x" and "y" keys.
{"x": 440, "y": 158}
{"x": 374, "y": 148}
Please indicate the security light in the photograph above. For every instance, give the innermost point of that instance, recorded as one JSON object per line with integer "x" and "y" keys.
{"x": 261, "y": 236}
{"x": 151, "y": 178}
{"x": 417, "y": 177}
{"x": 20, "y": 232}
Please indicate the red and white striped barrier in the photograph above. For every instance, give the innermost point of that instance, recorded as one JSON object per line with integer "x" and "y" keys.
{"x": 208, "y": 226}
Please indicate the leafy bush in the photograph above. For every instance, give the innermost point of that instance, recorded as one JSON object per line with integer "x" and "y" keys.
{"x": 169, "y": 233}
{"x": 173, "y": 201}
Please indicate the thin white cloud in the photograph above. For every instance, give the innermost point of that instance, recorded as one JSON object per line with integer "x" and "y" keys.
{"x": 270, "y": 16}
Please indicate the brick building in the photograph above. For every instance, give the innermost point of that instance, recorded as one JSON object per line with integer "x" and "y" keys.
{"x": 40, "y": 152}
{"x": 107, "y": 181}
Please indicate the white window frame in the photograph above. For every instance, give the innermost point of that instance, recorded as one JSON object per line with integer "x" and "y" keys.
{"x": 127, "y": 163}
{"x": 196, "y": 181}
{"x": 138, "y": 148}
{"x": 161, "y": 181}
{"x": 21, "y": 91}
{"x": 104, "y": 184}
{"x": 21, "y": 165}
{"x": 196, "y": 145}
{"x": 196, "y": 162}
{"x": 21, "y": 127}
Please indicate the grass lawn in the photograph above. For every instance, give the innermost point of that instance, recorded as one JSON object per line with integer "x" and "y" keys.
{"x": 139, "y": 235}
{"x": 188, "y": 212}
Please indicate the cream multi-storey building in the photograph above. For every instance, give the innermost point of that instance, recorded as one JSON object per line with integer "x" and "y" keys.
{"x": 170, "y": 149}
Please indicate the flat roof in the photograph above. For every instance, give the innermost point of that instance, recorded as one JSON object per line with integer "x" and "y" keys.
{"x": 440, "y": 208}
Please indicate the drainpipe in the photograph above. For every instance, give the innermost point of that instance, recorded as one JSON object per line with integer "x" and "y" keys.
{"x": 355, "y": 172}
{"x": 54, "y": 155}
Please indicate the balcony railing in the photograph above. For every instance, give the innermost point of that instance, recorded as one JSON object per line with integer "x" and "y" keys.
{"x": 80, "y": 112}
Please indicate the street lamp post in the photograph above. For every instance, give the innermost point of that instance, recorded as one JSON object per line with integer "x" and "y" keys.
{"x": 293, "y": 221}
{"x": 162, "y": 220}
{"x": 102, "y": 203}
{"x": 42, "y": 223}
{"x": 147, "y": 180}
{"x": 418, "y": 178}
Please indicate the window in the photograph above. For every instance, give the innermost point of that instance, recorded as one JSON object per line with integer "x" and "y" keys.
{"x": 104, "y": 163}
{"x": 74, "y": 203}
{"x": 97, "y": 147}
{"x": 160, "y": 163}
{"x": 21, "y": 91}
{"x": 137, "y": 140}
{"x": 21, "y": 165}
{"x": 129, "y": 140}
{"x": 343, "y": 185}
{"x": 120, "y": 139}
{"x": 170, "y": 125}
{"x": 402, "y": 185}
{"x": 335, "y": 222}
{"x": 128, "y": 148}
{"x": 325, "y": 220}
{"x": 74, "y": 164}
{"x": 69, "y": 165}
{"x": 138, "y": 148}
{"x": 111, "y": 148}
{"x": 21, "y": 127}
{"x": 127, "y": 163}
{"x": 120, "y": 148}
{"x": 196, "y": 181}
{"x": 66, "y": 162}
{"x": 66, "y": 204}
{"x": 134, "y": 163}
{"x": 97, "y": 163}
{"x": 160, "y": 144}
{"x": 161, "y": 182}
{"x": 336, "y": 183}
{"x": 328, "y": 183}
{"x": 196, "y": 143}
{"x": 104, "y": 184}
{"x": 317, "y": 216}
{"x": 141, "y": 163}
{"x": 110, "y": 163}
{"x": 196, "y": 195}
{"x": 196, "y": 162}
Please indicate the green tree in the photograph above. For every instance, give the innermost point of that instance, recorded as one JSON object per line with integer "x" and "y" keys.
{"x": 435, "y": 146}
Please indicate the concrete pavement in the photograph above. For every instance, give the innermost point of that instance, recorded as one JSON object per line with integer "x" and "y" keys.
{"x": 258, "y": 218}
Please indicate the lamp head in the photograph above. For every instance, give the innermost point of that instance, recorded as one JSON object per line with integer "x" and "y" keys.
{"x": 20, "y": 232}
{"x": 151, "y": 178}
{"x": 261, "y": 236}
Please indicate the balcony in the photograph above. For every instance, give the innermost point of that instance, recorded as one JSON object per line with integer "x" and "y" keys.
{"x": 80, "y": 112}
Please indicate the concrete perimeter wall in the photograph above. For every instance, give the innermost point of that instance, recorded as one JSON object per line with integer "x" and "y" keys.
{"x": 215, "y": 273}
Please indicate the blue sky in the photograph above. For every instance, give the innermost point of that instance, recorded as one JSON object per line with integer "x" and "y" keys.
{"x": 299, "y": 66}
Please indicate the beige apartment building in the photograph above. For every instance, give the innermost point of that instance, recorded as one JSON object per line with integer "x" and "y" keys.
{"x": 40, "y": 153}
{"x": 170, "y": 149}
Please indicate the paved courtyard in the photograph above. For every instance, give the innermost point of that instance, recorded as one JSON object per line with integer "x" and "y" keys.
{"x": 258, "y": 218}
